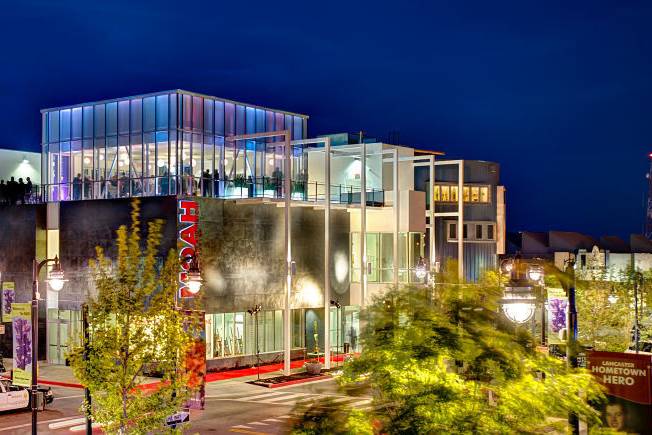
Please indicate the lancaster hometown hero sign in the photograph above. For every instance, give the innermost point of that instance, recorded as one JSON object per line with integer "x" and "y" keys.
{"x": 188, "y": 212}
{"x": 626, "y": 375}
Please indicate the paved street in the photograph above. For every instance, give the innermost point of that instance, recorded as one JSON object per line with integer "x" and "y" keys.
{"x": 231, "y": 407}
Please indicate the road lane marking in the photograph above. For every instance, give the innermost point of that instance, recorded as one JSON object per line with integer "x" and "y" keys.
{"x": 20, "y": 426}
{"x": 283, "y": 398}
{"x": 265, "y": 395}
{"x": 273, "y": 419}
{"x": 69, "y": 397}
{"x": 66, "y": 423}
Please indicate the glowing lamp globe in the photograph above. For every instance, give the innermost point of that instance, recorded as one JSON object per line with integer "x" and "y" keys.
{"x": 56, "y": 277}
{"x": 519, "y": 312}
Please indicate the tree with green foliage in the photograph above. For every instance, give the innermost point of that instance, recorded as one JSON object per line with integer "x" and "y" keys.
{"x": 443, "y": 361}
{"x": 133, "y": 325}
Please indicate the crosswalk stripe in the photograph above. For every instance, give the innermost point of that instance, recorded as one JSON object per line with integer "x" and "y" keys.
{"x": 273, "y": 419}
{"x": 284, "y": 398}
{"x": 66, "y": 423}
{"x": 82, "y": 427}
{"x": 260, "y": 423}
{"x": 260, "y": 396}
{"x": 241, "y": 426}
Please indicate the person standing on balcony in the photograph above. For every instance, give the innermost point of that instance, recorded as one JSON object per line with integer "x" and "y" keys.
{"x": 28, "y": 190}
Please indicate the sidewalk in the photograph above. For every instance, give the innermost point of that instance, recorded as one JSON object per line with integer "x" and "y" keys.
{"x": 60, "y": 375}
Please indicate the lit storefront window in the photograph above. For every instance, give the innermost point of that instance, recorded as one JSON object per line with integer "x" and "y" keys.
{"x": 380, "y": 254}
{"x": 449, "y": 193}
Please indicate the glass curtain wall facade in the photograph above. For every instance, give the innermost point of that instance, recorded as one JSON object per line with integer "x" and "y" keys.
{"x": 380, "y": 254}
{"x": 161, "y": 144}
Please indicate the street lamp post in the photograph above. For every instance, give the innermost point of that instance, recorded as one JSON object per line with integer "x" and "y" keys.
{"x": 638, "y": 279}
{"x": 254, "y": 313}
{"x": 56, "y": 281}
{"x": 337, "y": 305}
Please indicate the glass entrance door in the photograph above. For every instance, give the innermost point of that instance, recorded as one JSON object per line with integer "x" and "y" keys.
{"x": 63, "y": 329}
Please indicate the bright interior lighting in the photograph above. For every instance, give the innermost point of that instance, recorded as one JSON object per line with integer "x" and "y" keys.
{"x": 612, "y": 298}
{"x": 519, "y": 312}
{"x": 160, "y": 163}
{"x": 270, "y": 162}
{"x": 87, "y": 160}
{"x": 56, "y": 284}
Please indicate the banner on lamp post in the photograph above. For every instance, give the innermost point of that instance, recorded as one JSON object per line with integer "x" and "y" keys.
{"x": 557, "y": 308}
{"x": 8, "y": 298}
{"x": 627, "y": 378}
{"x": 21, "y": 321}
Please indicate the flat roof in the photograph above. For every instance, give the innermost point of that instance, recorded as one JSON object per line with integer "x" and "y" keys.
{"x": 178, "y": 91}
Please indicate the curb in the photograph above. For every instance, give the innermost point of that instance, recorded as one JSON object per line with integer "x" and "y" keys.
{"x": 60, "y": 384}
{"x": 299, "y": 381}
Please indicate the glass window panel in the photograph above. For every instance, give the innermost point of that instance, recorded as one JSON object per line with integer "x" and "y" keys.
{"x": 136, "y": 157}
{"x": 173, "y": 111}
{"x": 269, "y": 124}
{"x": 197, "y": 116}
{"x": 219, "y": 118}
{"x": 490, "y": 231}
{"x": 229, "y": 334}
{"x": 465, "y": 231}
{"x": 162, "y": 112}
{"x": 387, "y": 257}
{"x": 219, "y": 157}
{"x": 164, "y": 164}
{"x": 355, "y": 257}
{"x": 112, "y": 167}
{"x": 53, "y": 126}
{"x": 278, "y": 330}
{"x": 99, "y": 166}
{"x": 64, "y": 129}
{"x": 149, "y": 113}
{"x": 239, "y": 332}
{"x": 229, "y": 119}
{"x": 279, "y": 124}
{"x": 260, "y": 120}
{"x": 452, "y": 231}
{"x": 372, "y": 256}
{"x": 484, "y": 194}
{"x": 445, "y": 193}
{"x": 454, "y": 193}
{"x": 208, "y": 173}
{"x": 153, "y": 167}
{"x": 186, "y": 117}
{"x": 196, "y": 160}
{"x": 297, "y": 128}
{"x": 475, "y": 194}
{"x": 467, "y": 196}
{"x": 123, "y": 117}
{"x": 268, "y": 326}
{"x": 44, "y": 128}
{"x": 100, "y": 119}
{"x": 111, "y": 119}
{"x": 478, "y": 232}
{"x": 288, "y": 123}
{"x": 77, "y": 123}
{"x": 239, "y": 119}
{"x": 88, "y": 122}
{"x": 402, "y": 251}
{"x": 136, "y": 125}
{"x": 124, "y": 166}
{"x": 209, "y": 115}
{"x": 251, "y": 120}
{"x": 437, "y": 195}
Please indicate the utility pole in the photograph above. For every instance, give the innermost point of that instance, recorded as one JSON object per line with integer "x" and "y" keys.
{"x": 571, "y": 344}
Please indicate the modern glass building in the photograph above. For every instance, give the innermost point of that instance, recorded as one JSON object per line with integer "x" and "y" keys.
{"x": 163, "y": 143}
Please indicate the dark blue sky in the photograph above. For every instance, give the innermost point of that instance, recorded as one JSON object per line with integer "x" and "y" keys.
{"x": 559, "y": 93}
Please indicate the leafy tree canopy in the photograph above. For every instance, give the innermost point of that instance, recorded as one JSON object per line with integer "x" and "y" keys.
{"x": 134, "y": 325}
{"x": 442, "y": 360}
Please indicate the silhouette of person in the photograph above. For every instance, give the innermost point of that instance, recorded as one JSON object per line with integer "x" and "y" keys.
{"x": 12, "y": 191}
{"x": 29, "y": 187}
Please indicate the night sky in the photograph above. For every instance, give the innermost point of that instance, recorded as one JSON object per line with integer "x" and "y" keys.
{"x": 559, "y": 93}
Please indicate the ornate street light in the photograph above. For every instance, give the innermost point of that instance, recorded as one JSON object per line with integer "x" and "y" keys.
{"x": 56, "y": 281}
{"x": 519, "y": 304}
{"x": 535, "y": 272}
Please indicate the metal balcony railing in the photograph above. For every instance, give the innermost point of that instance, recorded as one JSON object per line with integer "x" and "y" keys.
{"x": 238, "y": 188}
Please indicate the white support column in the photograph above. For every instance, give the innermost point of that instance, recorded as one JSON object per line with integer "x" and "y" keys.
{"x": 327, "y": 254}
{"x": 460, "y": 220}
{"x": 431, "y": 214}
{"x": 287, "y": 315}
{"x": 397, "y": 215}
{"x": 363, "y": 225}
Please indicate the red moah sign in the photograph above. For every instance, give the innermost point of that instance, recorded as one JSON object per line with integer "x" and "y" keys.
{"x": 188, "y": 212}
